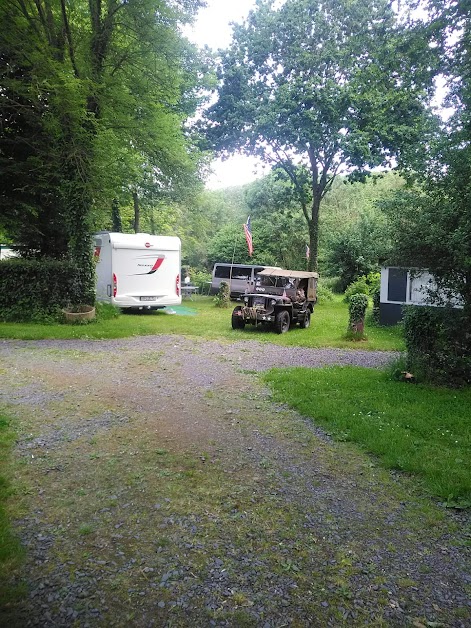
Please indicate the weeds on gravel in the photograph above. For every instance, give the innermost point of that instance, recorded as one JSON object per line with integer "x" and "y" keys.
{"x": 413, "y": 428}
{"x": 10, "y": 549}
{"x": 201, "y": 318}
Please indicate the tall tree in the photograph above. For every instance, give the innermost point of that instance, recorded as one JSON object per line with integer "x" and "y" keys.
{"x": 319, "y": 88}
{"x": 88, "y": 84}
{"x": 432, "y": 222}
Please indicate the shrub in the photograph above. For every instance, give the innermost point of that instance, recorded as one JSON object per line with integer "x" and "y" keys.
{"x": 357, "y": 308}
{"x": 360, "y": 286}
{"x": 438, "y": 342}
{"x": 324, "y": 293}
{"x": 106, "y": 311}
{"x": 222, "y": 298}
{"x": 375, "y": 294}
{"x": 37, "y": 289}
{"x": 201, "y": 278}
{"x": 373, "y": 281}
{"x": 334, "y": 284}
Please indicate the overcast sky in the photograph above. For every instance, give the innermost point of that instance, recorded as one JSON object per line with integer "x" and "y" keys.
{"x": 212, "y": 28}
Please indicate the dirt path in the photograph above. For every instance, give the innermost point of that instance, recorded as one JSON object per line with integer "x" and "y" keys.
{"x": 160, "y": 485}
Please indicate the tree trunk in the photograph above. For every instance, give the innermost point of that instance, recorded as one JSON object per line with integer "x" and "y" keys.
{"x": 137, "y": 212}
{"x": 116, "y": 216}
{"x": 314, "y": 234}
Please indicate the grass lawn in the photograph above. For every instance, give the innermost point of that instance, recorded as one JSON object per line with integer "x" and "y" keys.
{"x": 11, "y": 552}
{"x": 413, "y": 428}
{"x": 199, "y": 317}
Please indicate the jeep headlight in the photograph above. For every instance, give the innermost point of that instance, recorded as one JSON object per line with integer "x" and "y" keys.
{"x": 273, "y": 302}
{"x": 246, "y": 299}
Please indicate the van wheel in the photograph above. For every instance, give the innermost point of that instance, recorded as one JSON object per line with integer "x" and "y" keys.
{"x": 282, "y": 321}
{"x": 237, "y": 320}
{"x": 306, "y": 322}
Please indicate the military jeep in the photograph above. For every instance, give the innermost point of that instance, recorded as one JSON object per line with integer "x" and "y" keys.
{"x": 282, "y": 298}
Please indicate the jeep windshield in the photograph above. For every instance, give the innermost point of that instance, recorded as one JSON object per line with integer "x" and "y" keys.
{"x": 273, "y": 281}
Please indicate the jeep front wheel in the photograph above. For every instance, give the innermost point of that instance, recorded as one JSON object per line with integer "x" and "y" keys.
{"x": 237, "y": 319}
{"x": 282, "y": 322}
{"x": 306, "y": 321}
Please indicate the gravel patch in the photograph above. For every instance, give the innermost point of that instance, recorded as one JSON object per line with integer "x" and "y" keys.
{"x": 296, "y": 529}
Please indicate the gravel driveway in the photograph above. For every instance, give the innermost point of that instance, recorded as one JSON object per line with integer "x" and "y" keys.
{"x": 160, "y": 485}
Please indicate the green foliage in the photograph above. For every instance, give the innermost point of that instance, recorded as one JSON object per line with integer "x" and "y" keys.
{"x": 324, "y": 293}
{"x": 106, "y": 311}
{"x": 438, "y": 344}
{"x": 375, "y": 293}
{"x": 373, "y": 280}
{"x": 11, "y": 551}
{"x": 36, "y": 290}
{"x": 360, "y": 286}
{"x": 94, "y": 101}
{"x": 430, "y": 221}
{"x": 229, "y": 243}
{"x": 200, "y": 278}
{"x": 364, "y": 406}
{"x": 222, "y": 299}
{"x": 300, "y": 90}
{"x": 363, "y": 285}
{"x": 357, "y": 306}
{"x": 355, "y": 245}
{"x": 280, "y": 225}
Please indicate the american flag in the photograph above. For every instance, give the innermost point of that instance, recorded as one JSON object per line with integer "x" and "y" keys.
{"x": 248, "y": 235}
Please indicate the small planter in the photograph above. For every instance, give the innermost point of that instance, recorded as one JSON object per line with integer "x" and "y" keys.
{"x": 79, "y": 313}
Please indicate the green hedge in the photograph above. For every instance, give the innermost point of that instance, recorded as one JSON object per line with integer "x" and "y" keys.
{"x": 36, "y": 290}
{"x": 438, "y": 342}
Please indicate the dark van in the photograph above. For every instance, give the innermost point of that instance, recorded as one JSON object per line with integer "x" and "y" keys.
{"x": 240, "y": 277}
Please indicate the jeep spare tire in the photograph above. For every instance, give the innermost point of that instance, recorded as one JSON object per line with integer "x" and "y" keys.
{"x": 282, "y": 321}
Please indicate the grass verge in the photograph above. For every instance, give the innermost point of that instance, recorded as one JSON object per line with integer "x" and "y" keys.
{"x": 200, "y": 317}
{"x": 414, "y": 428}
{"x": 11, "y": 552}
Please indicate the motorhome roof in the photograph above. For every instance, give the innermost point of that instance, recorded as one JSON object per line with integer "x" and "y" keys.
{"x": 138, "y": 240}
{"x": 281, "y": 272}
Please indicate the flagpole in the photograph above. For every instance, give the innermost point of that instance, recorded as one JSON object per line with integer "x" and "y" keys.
{"x": 232, "y": 264}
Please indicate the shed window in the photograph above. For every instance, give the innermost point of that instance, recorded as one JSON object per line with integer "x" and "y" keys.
{"x": 397, "y": 285}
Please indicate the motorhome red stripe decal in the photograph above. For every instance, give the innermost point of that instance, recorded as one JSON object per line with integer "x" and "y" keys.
{"x": 157, "y": 265}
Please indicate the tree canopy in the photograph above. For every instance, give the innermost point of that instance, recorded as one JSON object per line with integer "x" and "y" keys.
{"x": 320, "y": 88}
{"x": 431, "y": 223}
{"x": 95, "y": 95}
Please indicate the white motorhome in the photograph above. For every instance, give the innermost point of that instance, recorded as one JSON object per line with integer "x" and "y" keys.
{"x": 139, "y": 271}
{"x": 7, "y": 252}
